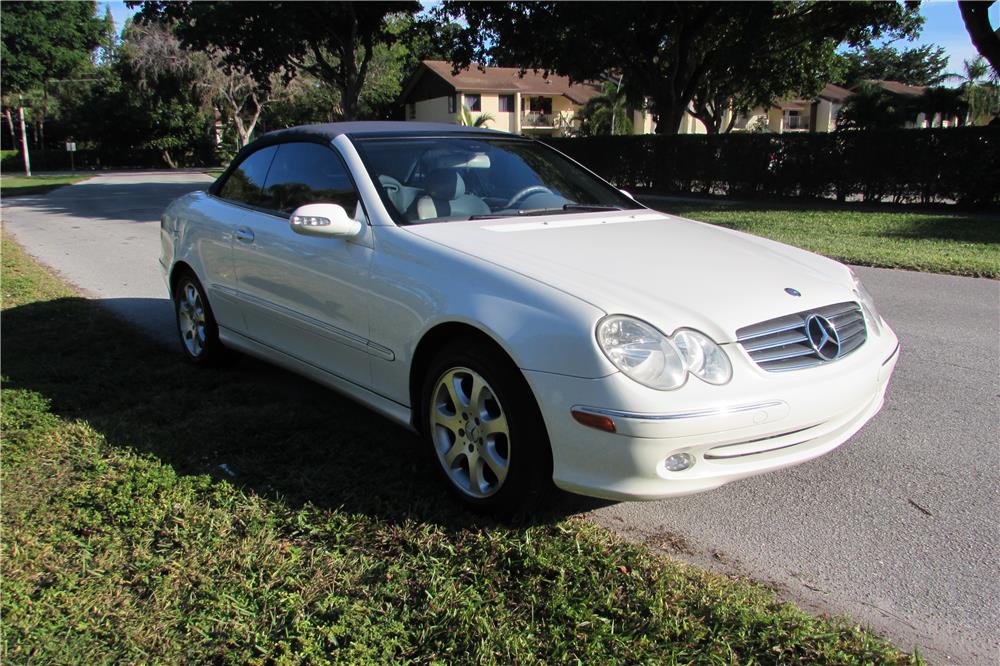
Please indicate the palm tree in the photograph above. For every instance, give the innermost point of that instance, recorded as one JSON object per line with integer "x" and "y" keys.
{"x": 980, "y": 91}
{"x": 606, "y": 113}
{"x": 872, "y": 107}
{"x": 465, "y": 118}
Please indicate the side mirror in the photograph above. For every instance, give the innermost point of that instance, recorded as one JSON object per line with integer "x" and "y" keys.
{"x": 628, "y": 194}
{"x": 323, "y": 219}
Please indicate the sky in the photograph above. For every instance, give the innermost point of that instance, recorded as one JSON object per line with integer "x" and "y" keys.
{"x": 943, "y": 26}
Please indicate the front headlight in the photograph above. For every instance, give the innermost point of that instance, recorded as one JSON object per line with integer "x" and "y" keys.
{"x": 867, "y": 303}
{"x": 660, "y": 362}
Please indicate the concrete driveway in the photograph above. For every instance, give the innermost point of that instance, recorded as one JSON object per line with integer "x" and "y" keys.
{"x": 898, "y": 529}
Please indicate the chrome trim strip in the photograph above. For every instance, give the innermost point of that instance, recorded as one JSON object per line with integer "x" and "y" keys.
{"x": 675, "y": 416}
{"x": 337, "y": 334}
{"x": 770, "y": 331}
{"x": 376, "y": 349}
{"x": 894, "y": 352}
{"x": 720, "y": 450}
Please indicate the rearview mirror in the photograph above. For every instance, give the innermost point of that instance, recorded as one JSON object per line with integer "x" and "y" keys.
{"x": 324, "y": 219}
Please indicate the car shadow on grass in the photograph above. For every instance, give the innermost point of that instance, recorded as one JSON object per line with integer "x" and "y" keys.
{"x": 248, "y": 423}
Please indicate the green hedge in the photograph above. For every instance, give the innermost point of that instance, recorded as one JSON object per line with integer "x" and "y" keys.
{"x": 959, "y": 165}
{"x": 89, "y": 158}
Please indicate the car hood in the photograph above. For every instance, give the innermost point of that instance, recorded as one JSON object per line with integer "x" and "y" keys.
{"x": 667, "y": 270}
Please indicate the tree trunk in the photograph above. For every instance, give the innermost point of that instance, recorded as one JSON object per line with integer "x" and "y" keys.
{"x": 169, "y": 160}
{"x": 977, "y": 22}
{"x": 10, "y": 126}
{"x": 668, "y": 121}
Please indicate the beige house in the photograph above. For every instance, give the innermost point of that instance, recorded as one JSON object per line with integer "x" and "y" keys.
{"x": 922, "y": 120}
{"x": 788, "y": 115}
{"x": 815, "y": 115}
{"x": 531, "y": 104}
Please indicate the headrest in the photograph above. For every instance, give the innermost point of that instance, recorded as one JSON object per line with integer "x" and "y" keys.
{"x": 445, "y": 184}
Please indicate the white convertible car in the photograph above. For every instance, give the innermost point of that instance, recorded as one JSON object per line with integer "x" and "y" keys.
{"x": 533, "y": 323}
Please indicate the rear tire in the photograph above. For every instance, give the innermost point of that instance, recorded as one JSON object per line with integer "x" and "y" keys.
{"x": 484, "y": 431}
{"x": 196, "y": 327}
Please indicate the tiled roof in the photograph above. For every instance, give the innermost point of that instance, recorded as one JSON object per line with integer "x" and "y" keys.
{"x": 509, "y": 79}
{"x": 899, "y": 88}
{"x": 834, "y": 93}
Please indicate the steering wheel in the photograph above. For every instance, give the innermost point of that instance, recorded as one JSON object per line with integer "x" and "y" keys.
{"x": 525, "y": 193}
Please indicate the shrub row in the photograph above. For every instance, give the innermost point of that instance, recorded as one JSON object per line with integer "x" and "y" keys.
{"x": 90, "y": 158}
{"x": 959, "y": 165}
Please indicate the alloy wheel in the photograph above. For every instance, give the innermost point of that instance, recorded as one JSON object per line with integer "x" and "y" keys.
{"x": 191, "y": 319}
{"x": 470, "y": 432}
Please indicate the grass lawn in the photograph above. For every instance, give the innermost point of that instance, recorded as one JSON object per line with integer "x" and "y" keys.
{"x": 324, "y": 537}
{"x": 214, "y": 174}
{"x": 962, "y": 244}
{"x": 14, "y": 186}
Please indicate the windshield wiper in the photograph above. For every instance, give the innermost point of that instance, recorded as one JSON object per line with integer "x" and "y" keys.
{"x": 565, "y": 208}
{"x": 518, "y": 213}
{"x": 580, "y": 206}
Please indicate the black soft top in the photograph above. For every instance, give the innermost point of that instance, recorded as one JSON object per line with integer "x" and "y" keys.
{"x": 327, "y": 132}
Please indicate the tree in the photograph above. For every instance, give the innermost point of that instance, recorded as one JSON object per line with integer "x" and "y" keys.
{"x": 333, "y": 41}
{"x": 986, "y": 38}
{"x": 870, "y": 106}
{"x": 725, "y": 95}
{"x": 979, "y": 91}
{"x": 922, "y": 66}
{"x": 466, "y": 118}
{"x": 43, "y": 41}
{"x": 606, "y": 113}
{"x": 665, "y": 50}
{"x": 162, "y": 91}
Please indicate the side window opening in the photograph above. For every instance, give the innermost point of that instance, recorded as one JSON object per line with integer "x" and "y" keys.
{"x": 245, "y": 183}
{"x": 303, "y": 173}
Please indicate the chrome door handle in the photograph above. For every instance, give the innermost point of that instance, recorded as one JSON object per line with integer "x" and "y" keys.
{"x": 244, "y": 235}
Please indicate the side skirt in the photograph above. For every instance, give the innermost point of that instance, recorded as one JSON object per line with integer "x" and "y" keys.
{"x": 390, "y": 409}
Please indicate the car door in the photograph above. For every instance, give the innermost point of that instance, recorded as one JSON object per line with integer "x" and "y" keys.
{"x": 306, "y": 296}
{"x": 221, "y": 215}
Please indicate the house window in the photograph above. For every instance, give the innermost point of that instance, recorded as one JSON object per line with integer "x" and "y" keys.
{"x": 795, "y": 120}
{"x": 506, "y": 104}
{"x": 541, "y": 105}
{"x": 452, "y": 108}
{"x": 473, "y": 102}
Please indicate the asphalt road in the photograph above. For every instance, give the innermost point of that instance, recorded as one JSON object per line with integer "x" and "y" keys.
{"x": 898, "y": 529}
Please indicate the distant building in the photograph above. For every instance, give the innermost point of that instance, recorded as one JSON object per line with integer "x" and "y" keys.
{"x": 536, "y": 105}
{"x": 532, "y": 104}
{"x": 818, "y": 114}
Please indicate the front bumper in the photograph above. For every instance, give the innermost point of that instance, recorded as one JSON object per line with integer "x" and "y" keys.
{"x": 759, "y": 422}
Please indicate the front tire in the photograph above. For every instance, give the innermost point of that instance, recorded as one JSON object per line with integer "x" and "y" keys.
{"x": 196, "y": 326}
{"x": 484, "y": 430}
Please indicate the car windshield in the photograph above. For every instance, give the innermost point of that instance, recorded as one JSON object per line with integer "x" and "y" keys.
{"x": 439, "y": 179}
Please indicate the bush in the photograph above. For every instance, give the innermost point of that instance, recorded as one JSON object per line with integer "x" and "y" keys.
{"x": 95, "y": 158}
{"x": 960, "y": 165}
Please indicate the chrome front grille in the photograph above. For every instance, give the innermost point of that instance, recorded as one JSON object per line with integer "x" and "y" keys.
{"x": 805, "y": 339}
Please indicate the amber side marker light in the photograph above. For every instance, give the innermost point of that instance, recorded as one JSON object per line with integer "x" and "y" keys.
{"x": 597, "y": 421}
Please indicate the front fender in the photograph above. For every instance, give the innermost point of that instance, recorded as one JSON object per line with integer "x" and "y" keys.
{"x": 418, "y": 284}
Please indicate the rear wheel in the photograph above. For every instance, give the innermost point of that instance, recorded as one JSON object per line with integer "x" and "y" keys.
{"x": 196, "y": 327}
{"x": 485, "y": 431}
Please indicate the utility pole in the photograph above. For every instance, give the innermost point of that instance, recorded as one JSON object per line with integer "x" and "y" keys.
{"x": 24, "y": 137}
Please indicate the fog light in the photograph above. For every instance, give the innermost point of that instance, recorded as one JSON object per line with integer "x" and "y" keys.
{"x": 678, "y": 462}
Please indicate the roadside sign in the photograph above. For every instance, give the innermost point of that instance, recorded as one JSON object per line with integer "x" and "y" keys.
{"x": 71, "y": 148}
